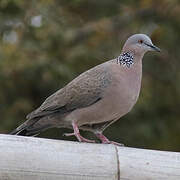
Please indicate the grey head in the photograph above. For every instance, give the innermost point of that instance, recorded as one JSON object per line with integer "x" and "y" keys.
{"x": 139, "y": 44}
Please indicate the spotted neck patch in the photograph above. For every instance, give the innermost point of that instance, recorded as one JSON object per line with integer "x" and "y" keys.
{"x": 125, "y": 59}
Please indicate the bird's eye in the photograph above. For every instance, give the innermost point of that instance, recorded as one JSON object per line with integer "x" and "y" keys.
{"x": 140, "y": 41}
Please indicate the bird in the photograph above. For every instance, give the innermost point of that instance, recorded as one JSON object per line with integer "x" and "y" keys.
{"x": 96, "y": 98}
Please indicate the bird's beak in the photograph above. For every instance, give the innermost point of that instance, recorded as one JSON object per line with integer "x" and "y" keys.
{"x": 153, "y": 47}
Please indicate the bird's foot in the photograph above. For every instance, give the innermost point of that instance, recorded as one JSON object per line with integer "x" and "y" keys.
{"x": 68, "y": 134}
{"x": 79, "y": 137}
{"x": 82, "y": 139}
{"x": 105, "y": 140}
{"x": 116, "y": 143}
{"x": 77, "y": 134}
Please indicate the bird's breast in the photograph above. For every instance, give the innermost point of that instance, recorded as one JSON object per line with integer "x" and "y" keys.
{"x": 126, "y": 86}
{"x": 118, "y": 97}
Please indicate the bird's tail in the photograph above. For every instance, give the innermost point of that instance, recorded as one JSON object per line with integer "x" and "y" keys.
{"x": 25, "y": 132}
{"x": 30, "y": 128}
{"x": 17, "y": 131}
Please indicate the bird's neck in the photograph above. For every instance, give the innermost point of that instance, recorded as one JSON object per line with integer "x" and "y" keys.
{"x": 129, "y": 57}
{"x": 134, "y": 51}
{"x": 125, "y": 59}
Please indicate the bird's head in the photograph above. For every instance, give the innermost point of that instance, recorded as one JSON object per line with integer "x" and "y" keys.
{"x": 139, "y": 44}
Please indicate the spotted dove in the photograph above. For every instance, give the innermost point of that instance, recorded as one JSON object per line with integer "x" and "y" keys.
{"x": 96, "y": 98}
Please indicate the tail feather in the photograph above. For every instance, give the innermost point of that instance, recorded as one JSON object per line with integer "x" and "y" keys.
{"x": 24, "y": 132}
{"x": 30, "y": 128}
{"x": 18, "y": 132}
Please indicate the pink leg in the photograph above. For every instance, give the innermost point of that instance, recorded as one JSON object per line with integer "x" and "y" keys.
{"x": 77, "y": 134}
{"x": 105, "y": 140}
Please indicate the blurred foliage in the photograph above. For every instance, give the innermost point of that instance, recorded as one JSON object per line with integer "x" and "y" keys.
{"x": 45, "y": 44}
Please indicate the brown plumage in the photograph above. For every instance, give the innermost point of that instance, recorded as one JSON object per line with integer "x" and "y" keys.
{"x": 96, "y": 98}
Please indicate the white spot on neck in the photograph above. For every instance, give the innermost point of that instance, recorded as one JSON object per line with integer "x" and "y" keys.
{"x": 125, "y": 59}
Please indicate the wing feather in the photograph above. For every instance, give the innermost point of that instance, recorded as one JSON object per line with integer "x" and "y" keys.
{"x": 83, "y": 91}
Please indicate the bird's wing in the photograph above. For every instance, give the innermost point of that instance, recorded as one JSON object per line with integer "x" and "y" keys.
{"x": 83, "y": 91}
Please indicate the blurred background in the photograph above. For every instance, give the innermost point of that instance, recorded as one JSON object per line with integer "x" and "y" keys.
{"x": 45, "y": 44}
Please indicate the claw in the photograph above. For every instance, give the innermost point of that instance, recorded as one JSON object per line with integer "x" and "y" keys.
{"x": 68, "y": 134}
{"x": 116, "y": 143}
{"x": 82, "y": 139}
{"x": 77, "y": 134}
{"x": 105, "y": 140}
